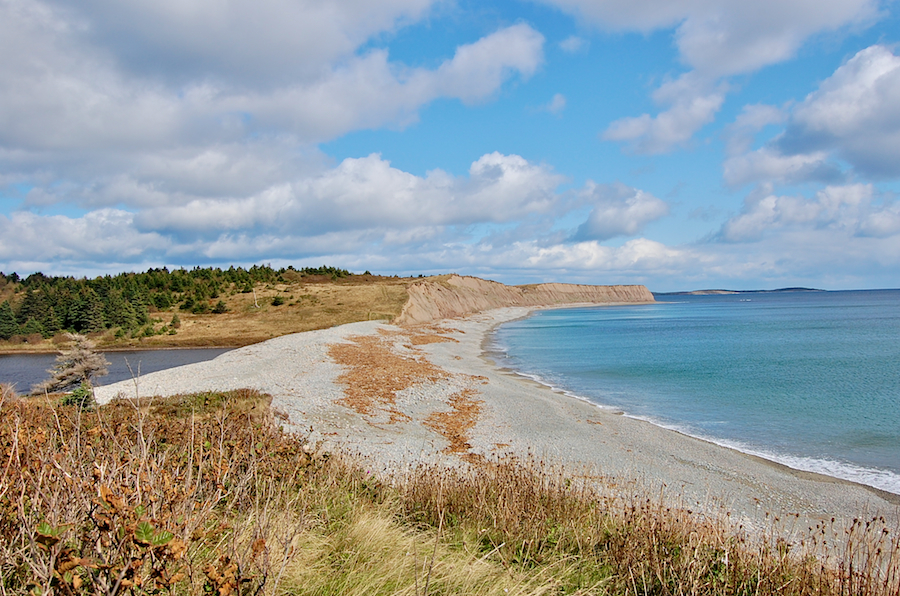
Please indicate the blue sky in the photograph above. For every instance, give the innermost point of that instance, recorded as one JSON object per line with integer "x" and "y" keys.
{"x": 681, "y": 144}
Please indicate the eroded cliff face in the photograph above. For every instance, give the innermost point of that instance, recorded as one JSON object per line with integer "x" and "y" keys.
{"x": 457, "y": 296}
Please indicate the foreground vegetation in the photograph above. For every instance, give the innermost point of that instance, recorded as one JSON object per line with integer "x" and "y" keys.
{"x": 205, "y": 494}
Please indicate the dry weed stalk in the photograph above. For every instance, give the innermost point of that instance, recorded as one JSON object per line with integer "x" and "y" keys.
{"x": 140, "y": 497}
{"x": 531, "y": 516}
{"x": 204, "y": 493}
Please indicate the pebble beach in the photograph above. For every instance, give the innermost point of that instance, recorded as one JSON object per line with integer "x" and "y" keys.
{"x": 401, "y": 397}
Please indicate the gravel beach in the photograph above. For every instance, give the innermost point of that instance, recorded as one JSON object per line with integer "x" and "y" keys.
{"x": 400, "y": 397}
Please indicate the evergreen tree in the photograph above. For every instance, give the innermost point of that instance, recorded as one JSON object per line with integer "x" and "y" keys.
{"x": 52, "y": 324}
{"x": 162, "y": 300}
{"x": 86, "y": 313}
{"x": 34, "y": 306}
{"x": 119, "y": 311}
{"x": 9, "y": 326}
{"x": 75, "y": 367}
{"x": 32, "y": 327}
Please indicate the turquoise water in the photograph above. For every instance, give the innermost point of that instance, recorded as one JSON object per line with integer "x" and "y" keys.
{"x": 808, "y": 379}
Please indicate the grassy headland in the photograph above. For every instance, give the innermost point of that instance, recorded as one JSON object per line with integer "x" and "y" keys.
{"x": 197, "y": 308}
{"x": 205, "y": 494}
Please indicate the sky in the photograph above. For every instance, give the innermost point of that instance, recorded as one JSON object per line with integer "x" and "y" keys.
{"x": 680, "y": 144}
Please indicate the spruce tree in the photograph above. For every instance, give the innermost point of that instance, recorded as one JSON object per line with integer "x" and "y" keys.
{"x": 86, "y": 313}
{"x": 75, "y": 367}
{"x": 32, "y": 327}
{"x": 34, "y": 306}
{"x": 9, "y": 326}
{"x": 120, "y": 312}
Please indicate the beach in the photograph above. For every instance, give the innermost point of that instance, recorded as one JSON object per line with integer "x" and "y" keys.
{"x": 401, "y": 397}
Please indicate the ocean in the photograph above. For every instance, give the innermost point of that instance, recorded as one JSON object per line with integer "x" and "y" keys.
{"x": 807, "y": 379}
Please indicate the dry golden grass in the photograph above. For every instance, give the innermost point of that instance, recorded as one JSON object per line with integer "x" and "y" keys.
{"x": 252, "y": 318}
{"x": 307, "y": 307}
{"x": 204, "y": 494}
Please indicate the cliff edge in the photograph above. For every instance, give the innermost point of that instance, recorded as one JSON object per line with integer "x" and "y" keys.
{"x": 457, "y": 296}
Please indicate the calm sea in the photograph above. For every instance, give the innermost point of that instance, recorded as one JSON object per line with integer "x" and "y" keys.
{"x": 808, "y": 379}
{"x": 26, "y": 370}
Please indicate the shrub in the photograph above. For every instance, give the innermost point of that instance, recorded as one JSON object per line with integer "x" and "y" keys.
{"x": 277, "y": 301}
{"x": 82, "y": 397}
{"x": 75, "y": 366}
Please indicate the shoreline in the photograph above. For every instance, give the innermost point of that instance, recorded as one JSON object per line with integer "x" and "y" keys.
{"x": 121, "y": 349}
{"x": 516, "y": 417}
{"x": 887, "y": 495}
{"x": 771, "y": 459}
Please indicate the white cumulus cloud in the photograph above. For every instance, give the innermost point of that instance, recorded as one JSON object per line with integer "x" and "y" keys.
{"x": 618, "y": 210}
{"x": 849, "y": 210}
{"x": 723, "y": 38}
{"x": 58, "y": 92}
{"x": 693, "y": 104}
{"x": 855, "y": 112}
{"x": 853, "y": 116}
{"x": 715, "y": 39}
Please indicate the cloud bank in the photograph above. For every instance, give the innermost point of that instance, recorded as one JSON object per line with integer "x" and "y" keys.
{"x": 138, "y": 134}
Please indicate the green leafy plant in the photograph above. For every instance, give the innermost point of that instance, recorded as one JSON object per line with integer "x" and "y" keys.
{"x": 82, "y": 397}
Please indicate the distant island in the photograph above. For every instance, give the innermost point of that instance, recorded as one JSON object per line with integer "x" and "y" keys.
{"x": 717, "y": 292}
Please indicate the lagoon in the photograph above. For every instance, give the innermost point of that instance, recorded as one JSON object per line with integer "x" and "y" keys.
{"x": 25, "y": 370}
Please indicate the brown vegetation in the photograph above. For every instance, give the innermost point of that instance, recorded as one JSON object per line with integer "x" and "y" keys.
{"x": 375, "y": 373}
{"x": 455, "y": 424}
{"x": 204, "y": 494}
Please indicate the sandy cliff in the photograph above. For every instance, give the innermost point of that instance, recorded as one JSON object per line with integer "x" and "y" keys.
{"x": 456, "y": 296}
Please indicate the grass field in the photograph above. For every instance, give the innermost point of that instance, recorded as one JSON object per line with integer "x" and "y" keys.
{"x": 307, "y": 304}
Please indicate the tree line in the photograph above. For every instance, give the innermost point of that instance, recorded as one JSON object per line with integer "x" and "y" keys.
{"x": 44, "y": 305}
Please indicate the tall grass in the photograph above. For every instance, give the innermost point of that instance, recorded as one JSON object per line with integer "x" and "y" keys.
{"x": 205, "y": 494}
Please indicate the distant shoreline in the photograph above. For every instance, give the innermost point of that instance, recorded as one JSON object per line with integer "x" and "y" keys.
{"x": 712, "y": 292}
{"x": 718, "y": 292}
